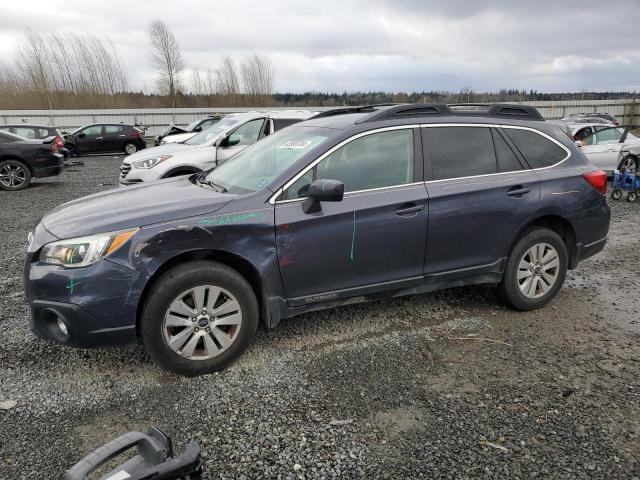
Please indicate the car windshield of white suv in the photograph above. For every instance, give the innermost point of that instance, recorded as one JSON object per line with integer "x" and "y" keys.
{"x": 263, "y": 161}
{"x": 213, "y": 132}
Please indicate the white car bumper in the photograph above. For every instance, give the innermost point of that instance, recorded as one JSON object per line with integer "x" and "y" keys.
{"x": 132, "y": 176}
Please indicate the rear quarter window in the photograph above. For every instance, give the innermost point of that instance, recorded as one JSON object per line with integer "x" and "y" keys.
{"x": 537, "y": 150}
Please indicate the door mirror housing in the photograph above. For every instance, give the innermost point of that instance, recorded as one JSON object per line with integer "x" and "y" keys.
{"x": 197, "y": 129}
{"x": 322, "y": 191}
{"x": 82, "y": 135}
{"x": 578, "y": 143}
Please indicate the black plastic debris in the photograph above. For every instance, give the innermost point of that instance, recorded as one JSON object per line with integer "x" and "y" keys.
{"x": 154, "y": 459}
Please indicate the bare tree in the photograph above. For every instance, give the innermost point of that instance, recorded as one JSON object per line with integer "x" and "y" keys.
{"x": 166, "y": 58}
{"x": 257, "y": 78}
{"x": 227, "y": 78}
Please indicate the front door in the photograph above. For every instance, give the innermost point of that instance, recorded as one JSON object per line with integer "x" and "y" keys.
{"x": 114, "y": 138}
{"x": 89, "y": 139}
{"x": 374, "y": 239}
{"x": 480, "y": 194}
{"x": 602, "y": 148}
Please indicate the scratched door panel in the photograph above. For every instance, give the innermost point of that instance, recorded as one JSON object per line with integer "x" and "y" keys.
{"x": 360, "y": 241}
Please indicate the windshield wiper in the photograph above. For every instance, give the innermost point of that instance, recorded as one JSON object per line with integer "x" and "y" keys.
{"x": 216, "y": 187}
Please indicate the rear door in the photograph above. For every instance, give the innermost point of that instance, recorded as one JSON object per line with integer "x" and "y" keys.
{"x": 114, "y": 138}
{"x": 374, "y": 239}
{"x": 480, "y": 194}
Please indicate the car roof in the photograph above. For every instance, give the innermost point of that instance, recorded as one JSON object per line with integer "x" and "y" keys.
{"x": 403, "y": 114}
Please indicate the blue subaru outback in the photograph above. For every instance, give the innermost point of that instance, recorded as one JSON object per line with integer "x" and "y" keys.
{"x": 352, "y": 205}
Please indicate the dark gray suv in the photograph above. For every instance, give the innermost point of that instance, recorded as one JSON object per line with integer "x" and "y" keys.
{"x": 354, "y": 204}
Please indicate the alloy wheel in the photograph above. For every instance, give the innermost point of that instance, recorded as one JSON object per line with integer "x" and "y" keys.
{"x": 538, "y": 270}
{"x": 130, "y": 149}
{"x": 12, "y": 176}
{"x": 202, "y": 322}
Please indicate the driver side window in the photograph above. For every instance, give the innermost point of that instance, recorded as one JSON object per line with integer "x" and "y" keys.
{"x": 383, "y": 159}
{"x": 246, "y": 134}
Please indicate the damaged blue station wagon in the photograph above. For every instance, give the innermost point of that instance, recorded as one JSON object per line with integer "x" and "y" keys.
{"x": 354, "y": 204}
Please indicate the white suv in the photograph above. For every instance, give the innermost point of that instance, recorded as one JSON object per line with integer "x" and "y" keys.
{"x": 208, "y": 148}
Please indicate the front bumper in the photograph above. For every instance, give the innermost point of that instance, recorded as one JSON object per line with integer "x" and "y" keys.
{"x": 98, "y": 303}
{"x": 131, "y": 176}
{"x": 81, "y": 329}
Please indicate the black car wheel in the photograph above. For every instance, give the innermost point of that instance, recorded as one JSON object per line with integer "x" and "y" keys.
{"x": 535, "y": 270}
{"x": 199, "y": 318}
{"x": 14, "y": 175}
{"x": 130, "y": 148}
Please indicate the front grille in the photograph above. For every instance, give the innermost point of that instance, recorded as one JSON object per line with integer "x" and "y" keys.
{"x": 125, "y": 168}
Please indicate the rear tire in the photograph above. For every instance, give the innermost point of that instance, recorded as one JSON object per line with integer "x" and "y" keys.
{"x": 535, "y": 270}
{"x": 200, "y": 317}
{"x": 130, "y": 148}
{"x": 14, "y": 175}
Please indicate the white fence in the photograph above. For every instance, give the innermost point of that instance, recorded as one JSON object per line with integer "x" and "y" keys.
{"x": 156, "y": 119}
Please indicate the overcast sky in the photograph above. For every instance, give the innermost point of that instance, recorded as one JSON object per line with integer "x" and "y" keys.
{"x": 366, "y": 45}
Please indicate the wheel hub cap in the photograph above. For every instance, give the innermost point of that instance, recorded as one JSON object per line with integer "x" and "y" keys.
{"x": 202, "y": 322}
{"x": 538, "y": 270}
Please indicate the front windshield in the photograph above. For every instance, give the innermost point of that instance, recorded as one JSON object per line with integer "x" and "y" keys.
{"x": 211, "y": 133}
{"x": 263, "y": 161}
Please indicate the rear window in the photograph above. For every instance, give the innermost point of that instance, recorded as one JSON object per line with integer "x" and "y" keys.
{"x": 537, "y": 150}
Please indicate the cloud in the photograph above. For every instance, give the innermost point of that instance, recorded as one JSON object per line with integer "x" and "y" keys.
{"x": 392, "y": 45}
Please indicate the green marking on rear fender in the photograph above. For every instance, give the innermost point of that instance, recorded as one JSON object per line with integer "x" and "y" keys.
{"x": 230, "y": 219}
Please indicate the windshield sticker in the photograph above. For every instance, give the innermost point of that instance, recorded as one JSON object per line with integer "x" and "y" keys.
{"x": 295, "y": 144}
{"x": 229, "y": 219}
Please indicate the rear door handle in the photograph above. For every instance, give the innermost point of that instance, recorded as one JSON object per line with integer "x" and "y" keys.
{"x": 99, "y": 138}
{"x": 408, "y": 209}
{"x": 518, "y": 191}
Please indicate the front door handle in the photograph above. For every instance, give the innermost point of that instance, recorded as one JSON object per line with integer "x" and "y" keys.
{"x": 518, "y": 191}
{"x": 99, "y": 138}
{"x": 408, "y": 209}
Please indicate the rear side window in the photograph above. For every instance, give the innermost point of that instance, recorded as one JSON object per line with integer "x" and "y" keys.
{"x": 537, "y": 150}
{"x": 113, "y": 129}
{"x": 280, "y": 123}
{"x": 461, "y": 152}
{"x": 507, "y": 160}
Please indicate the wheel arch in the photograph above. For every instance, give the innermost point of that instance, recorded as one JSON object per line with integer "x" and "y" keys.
{"x": 18, "y": 159}
{"x": 241, "y": 265}
{"x": 187, "y": 170}
{"x": 555, "y": 223}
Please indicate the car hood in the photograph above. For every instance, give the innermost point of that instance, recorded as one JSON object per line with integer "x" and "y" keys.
{"x": 164, "y": 149}
{"x": 137, "y": 206}
{"x": 178, "y": 137}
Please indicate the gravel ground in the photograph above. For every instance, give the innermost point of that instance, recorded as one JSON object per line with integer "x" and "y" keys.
{"x": 445, "y": 385}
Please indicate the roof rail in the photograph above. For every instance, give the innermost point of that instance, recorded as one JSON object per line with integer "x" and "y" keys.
{"x": 346, "y": 110}
{"x": 500, "y": 110}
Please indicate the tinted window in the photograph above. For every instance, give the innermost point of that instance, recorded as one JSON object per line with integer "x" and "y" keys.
{"x": 507, "y": 160}
{"x": 246, "y": 134}
{"x": 113, "y": 129}
{"x": 94, "y": 131}
{"x": 378, "y": 160}
{"x": 461, "y": 152}
{"x": 537, "y": 150}
{"x": 280, "y": 123}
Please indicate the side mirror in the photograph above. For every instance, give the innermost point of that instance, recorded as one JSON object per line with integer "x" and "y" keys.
{"x": 322, "y": 191}
{"x": 82, "y": 135}
{"x": 197, "y": 129}
{"x": 220, "y": 140}
{"x": 578, "y": 143}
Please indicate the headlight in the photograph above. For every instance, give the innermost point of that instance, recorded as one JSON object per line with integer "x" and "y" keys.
{"x": 83, "y": 251}
{"x": 150, "y": 162}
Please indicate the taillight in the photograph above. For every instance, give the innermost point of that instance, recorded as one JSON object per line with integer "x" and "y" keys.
{"x": 59, "y": 142}
{"x": 597, "y": 180}
{"x": 54, "y": 147}
{"x": 135, "y": 133}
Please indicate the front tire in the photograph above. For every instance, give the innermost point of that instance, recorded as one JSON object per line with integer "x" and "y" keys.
{"x": 535, "y": 270}
{"x": 199, "y": 318}
{"x": 14, "y": 175}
